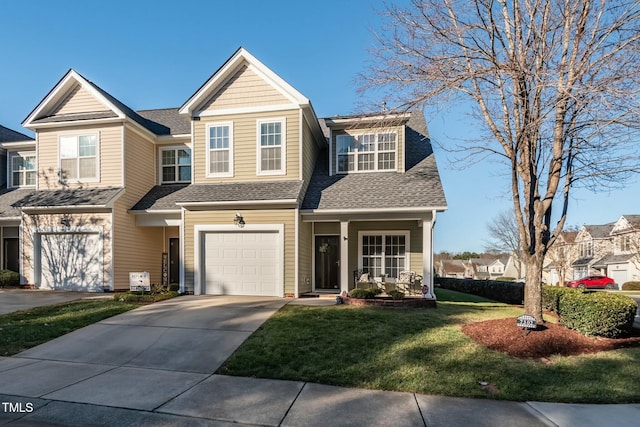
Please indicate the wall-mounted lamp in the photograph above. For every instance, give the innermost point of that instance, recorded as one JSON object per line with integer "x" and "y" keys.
{"x": 239, "y": 220}
{"x": 65, "y": 220}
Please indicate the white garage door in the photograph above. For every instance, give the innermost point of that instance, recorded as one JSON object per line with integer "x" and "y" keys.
{"x": 71, "y": 261}
{"x": 242, "y": 263}
{"x": 619, "y": 276}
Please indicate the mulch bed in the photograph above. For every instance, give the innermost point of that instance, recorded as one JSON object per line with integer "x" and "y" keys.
{"x": 548, "y": 340}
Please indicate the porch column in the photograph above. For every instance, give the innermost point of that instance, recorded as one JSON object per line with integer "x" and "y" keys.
{"x": 427, "y": 256}
{"x": 345, "y": 277}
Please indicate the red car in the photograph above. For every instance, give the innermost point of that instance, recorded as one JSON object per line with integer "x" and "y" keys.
{"x": 603, "y": 282}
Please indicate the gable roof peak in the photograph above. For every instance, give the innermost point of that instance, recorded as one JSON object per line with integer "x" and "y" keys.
{"x": 239, "y": 58}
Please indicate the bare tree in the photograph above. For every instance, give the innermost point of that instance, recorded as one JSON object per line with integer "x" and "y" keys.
{"x": 504, "y": 237}
{"x": 553, "y": 82}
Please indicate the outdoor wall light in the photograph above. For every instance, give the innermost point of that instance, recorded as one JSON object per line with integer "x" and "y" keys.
{"x": 239, "y": 220}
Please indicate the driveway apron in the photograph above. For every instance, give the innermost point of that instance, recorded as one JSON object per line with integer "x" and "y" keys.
{"x": 140, "y": 359}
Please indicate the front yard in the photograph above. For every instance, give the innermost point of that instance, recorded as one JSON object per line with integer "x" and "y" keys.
{"x": 424, "y": 351}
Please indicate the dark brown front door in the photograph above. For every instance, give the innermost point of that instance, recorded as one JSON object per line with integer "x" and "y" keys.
{"x": 11, "y": 254}
{"x": 327, "y": 250}
{"x": 174, "y": 260}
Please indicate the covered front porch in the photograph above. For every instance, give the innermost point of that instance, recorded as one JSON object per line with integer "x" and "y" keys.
{"x": 365, "y": 249}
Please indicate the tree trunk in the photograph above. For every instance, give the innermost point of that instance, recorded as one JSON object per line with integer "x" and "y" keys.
{"x": 533, "y": 286}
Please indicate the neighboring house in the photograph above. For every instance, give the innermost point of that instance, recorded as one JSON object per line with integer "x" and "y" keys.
{"x": 242, "y": 190}
{"x": 592, "y": 243}
{"x": 17, "y": 176}
{"x": 487, "y": 268}
{"x": 455, "y": 268}
{"x": 558, "y": 267}
{"x": 622, "y": 262}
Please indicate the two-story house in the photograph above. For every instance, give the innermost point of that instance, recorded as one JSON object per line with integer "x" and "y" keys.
{"x": 592, "y": 242}
{"x": 559, "y": 260}
{"x": 17, "y": 175}
{"x": 242, "y": 190}
{"x": 622, "y": 261}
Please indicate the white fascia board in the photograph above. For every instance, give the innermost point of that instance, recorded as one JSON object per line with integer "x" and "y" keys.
{"x": 364, "y": 210}
{"x": 241, "y": 56}
{"x": 19, "y": 145}
{"x": 246, "y": 110}
{"x": 155, "y": 211}
{"x": 76, "y": 123}
{"x": 282, "y": 202}
{"x": 173, "y": 139}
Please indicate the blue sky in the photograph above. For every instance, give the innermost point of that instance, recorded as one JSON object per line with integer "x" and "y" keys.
{"x": 155, "y": 54}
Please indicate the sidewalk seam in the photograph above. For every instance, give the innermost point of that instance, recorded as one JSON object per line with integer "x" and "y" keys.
{"x": 292, "y": 403}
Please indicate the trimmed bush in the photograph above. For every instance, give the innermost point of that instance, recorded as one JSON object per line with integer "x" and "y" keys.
{"x": 174, "y": 287}
{"x": 368, "y": 293}
{"x": 551, "y": 296}
{"x": 506, "y": 279}
{"x": 396, "y": 294}
{"x": 507, "y": 292}
{"x": 631, "y": 286}
{"x": 9, "y": 278}
{"x": 597, "y": 313}
{"x": 147, "y": 297}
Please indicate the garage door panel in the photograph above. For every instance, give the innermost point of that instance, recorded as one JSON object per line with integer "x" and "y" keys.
{"x": 71, "y": 261}
{"x": 241, "y": 263}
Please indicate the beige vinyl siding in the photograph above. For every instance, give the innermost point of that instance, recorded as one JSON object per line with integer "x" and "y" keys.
{"x": 136, "y": 248}
{"x": 244, "y": 89}
{"x": 327, "y": 228}
{"x": 305, "y": 257}
{"x": 225, "y": 217}
{"x": 110, "y": 157}
{"x": 400, "y": 131}
{"x": 309, "y": 154}
{"x": 100, "y": 222}
{"x": 79, "y": 100}
{"x": 245, "y": 146}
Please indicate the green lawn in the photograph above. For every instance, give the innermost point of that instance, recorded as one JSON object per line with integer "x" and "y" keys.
{"x": 25, "y": 329}
{"x": 424, "y": 351}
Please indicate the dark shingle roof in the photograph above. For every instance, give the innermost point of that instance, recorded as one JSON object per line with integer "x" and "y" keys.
{"x": 612, "y": 259}
{"x": 8, "y": 197}
{"x": 418, "y": 187}
{"x": 69, "y": 197}
{"x": 600, "y": 231}
{"x": 163, "y": 197}
{"x": 8, "y": 135}
{"x": 178, "y": 124}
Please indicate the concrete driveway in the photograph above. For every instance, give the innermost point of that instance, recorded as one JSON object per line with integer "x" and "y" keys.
{"x": 22, "y": 299}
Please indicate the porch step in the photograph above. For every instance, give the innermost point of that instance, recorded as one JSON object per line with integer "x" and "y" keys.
{"x": 331, "y": 295}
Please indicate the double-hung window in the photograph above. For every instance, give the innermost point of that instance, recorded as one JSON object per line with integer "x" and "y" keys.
{"x": 23, "y": 169}
{"x": 79, "y": 157}
{"x": 176, "y": 165}
{"x": 366, "y": 152}
{"x": 384, "y": 253}
{"x": 220, "y": 150}
{"x": 271, "y": 147}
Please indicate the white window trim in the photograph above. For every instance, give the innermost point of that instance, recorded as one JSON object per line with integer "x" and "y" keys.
{"x": 78, "y": 180}
{"x": 283, "y": 147}
{"x": 407, "y": 245}
{"x": 174, "y": 148}
{"x": 23, "y": 154}
{"x": 376, "y": 152}
{"x": 208, "y": 173}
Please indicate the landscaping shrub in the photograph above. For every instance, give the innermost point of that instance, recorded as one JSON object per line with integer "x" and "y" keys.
{"x": 631, "y": 286}
{"x": 9, "y": 278}
{"x": 364, "y": 293}
{"x": 597, "y": 313}
{"x": 174, "y": 287}
{"x": 506, "y": 279}
{"x": 507, "y": 292}
{"x": 551, "y": 296}
{"x": 145, "y": 297}
{"x": 396, "y": 294}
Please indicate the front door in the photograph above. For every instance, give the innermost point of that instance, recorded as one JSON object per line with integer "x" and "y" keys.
{"x": 11, "y": 254}
{"x": 174, "y": 260}
{"x": 327, "y": 254}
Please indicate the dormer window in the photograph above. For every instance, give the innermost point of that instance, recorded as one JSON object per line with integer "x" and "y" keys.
{"x": 23, "y": 169}
{"x": 176, "y": 165}
{"x": 366, "y": 152}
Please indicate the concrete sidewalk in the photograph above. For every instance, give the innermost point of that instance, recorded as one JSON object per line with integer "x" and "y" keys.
{"x": 155, "y": 366}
